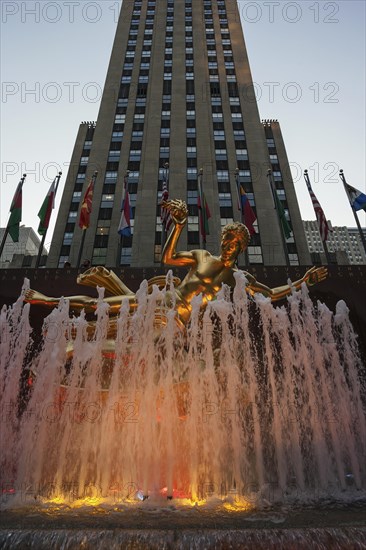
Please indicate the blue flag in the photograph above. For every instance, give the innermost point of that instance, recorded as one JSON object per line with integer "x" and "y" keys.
{"x": 357, "y": 198}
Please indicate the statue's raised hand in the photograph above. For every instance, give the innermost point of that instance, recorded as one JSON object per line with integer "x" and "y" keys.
{"x": 315, "y": 275}
{"x": 177, "y": 209}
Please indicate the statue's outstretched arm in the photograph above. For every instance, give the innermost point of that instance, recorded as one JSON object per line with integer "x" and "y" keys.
{"x": 312, "y": 276}
{"x": 179, "y": 213}
{"x": 78, "y": 303}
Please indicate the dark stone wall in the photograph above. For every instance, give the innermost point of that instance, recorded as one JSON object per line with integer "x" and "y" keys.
{"x": 346, "y": 283}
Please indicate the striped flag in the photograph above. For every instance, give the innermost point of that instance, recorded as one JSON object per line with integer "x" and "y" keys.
{"x": 86, "y": 206}
{"x": 165, "y": 216}
{"x": 124, "y": 228}
{"x": 248, "y": 215}
{"x": 324, "y": 228}
{"x": 46, "y": 209}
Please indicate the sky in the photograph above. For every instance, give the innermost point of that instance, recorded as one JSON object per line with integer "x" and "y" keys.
{"x": 308, "y": 65}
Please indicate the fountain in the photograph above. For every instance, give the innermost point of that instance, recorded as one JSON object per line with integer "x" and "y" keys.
{"x": 252, "y": 399}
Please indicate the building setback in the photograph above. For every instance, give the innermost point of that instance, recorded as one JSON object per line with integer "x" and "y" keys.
{"x": 178, "y": 90}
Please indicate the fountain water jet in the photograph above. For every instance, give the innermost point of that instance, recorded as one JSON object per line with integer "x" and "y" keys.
{"x": 253, "y": 402}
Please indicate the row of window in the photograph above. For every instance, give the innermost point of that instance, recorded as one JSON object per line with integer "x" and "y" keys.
{"x": 225, "y": 198}
{"x": 111, "y": 176}
{"x": 76, "y": 198}
{"x": 137, "y": 134}
{"x": 281, "y": 193}
{"x": 164, "y": 129}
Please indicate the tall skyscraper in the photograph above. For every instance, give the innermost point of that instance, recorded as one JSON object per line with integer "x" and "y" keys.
{"x": 179, "y": 91}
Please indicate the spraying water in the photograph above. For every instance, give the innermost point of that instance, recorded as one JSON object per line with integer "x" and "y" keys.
{"x": 251, "y": 400}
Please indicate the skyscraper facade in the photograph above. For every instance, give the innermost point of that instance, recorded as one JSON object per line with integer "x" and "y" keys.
{"x": 178, "y": 98}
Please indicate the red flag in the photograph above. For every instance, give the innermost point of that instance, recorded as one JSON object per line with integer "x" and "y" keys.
{"x": 86, "y": 206}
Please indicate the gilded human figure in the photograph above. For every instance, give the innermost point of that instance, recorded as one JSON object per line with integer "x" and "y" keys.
{"x": 206, "y": 273}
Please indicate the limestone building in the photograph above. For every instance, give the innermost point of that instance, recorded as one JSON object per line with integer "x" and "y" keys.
{"x": 344, "y": 240}
{"x": 23, "y": 253}
{"x": 178, "y": 90}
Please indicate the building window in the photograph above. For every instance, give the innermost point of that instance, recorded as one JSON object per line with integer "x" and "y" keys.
{"x": 255, "y": 255}
{"x": 225, "y": 199}
{"x": 114, "y": 156}
{"x": 68, "y": 238}
{"x": 222, "y": 175}
{"x": 193, "y": 237}
{"x": 126, "y": 255}
{"x": 117, "y": 136}
{"x": 99, "y": 256}
{"x": 103, "y": 227}
{"x": 72, "y": 217}
{"x": 242, "y": 154}
{"x": 107, "y": 201}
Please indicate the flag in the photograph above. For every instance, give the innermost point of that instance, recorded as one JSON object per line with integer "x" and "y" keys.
{"x": 356, "y": 198}
{"x": 86, "y": 206}
{"x": 205, "y": 214}
{"x": 247, "y": 212}
{"x": 320, "y": 216}
{"x": 165, "y": 216}
{"x": 15, "y": 214}
{"x": 282, "y": 215}
{"x": 46, "y": 209}
{"x": 124, "y": 228}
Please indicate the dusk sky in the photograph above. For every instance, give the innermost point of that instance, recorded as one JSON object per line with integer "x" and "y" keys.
{"x": 307, "y": 61}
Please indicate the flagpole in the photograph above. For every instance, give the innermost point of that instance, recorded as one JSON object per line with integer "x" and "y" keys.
{"x": 125, "y": 188}
{"x": 81, "y": 248}
{"x": 94, "y": 177}
{"x": 163, "y": 228}
{"x": 200, "y": 210}
{"x": 307, "y": 180}
{"x": 237, "y": 180}
{"x": 273, "y": 189}
{"x": 38, "y": 261}
{"x": 343, "y": 178}
{"x": 6, "y": 233}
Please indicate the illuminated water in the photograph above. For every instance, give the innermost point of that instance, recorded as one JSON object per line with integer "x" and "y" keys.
{"x": 256, "y": 406}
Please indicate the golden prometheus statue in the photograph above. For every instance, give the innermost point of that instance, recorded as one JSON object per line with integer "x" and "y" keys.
{"x": 205, "y": 277}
